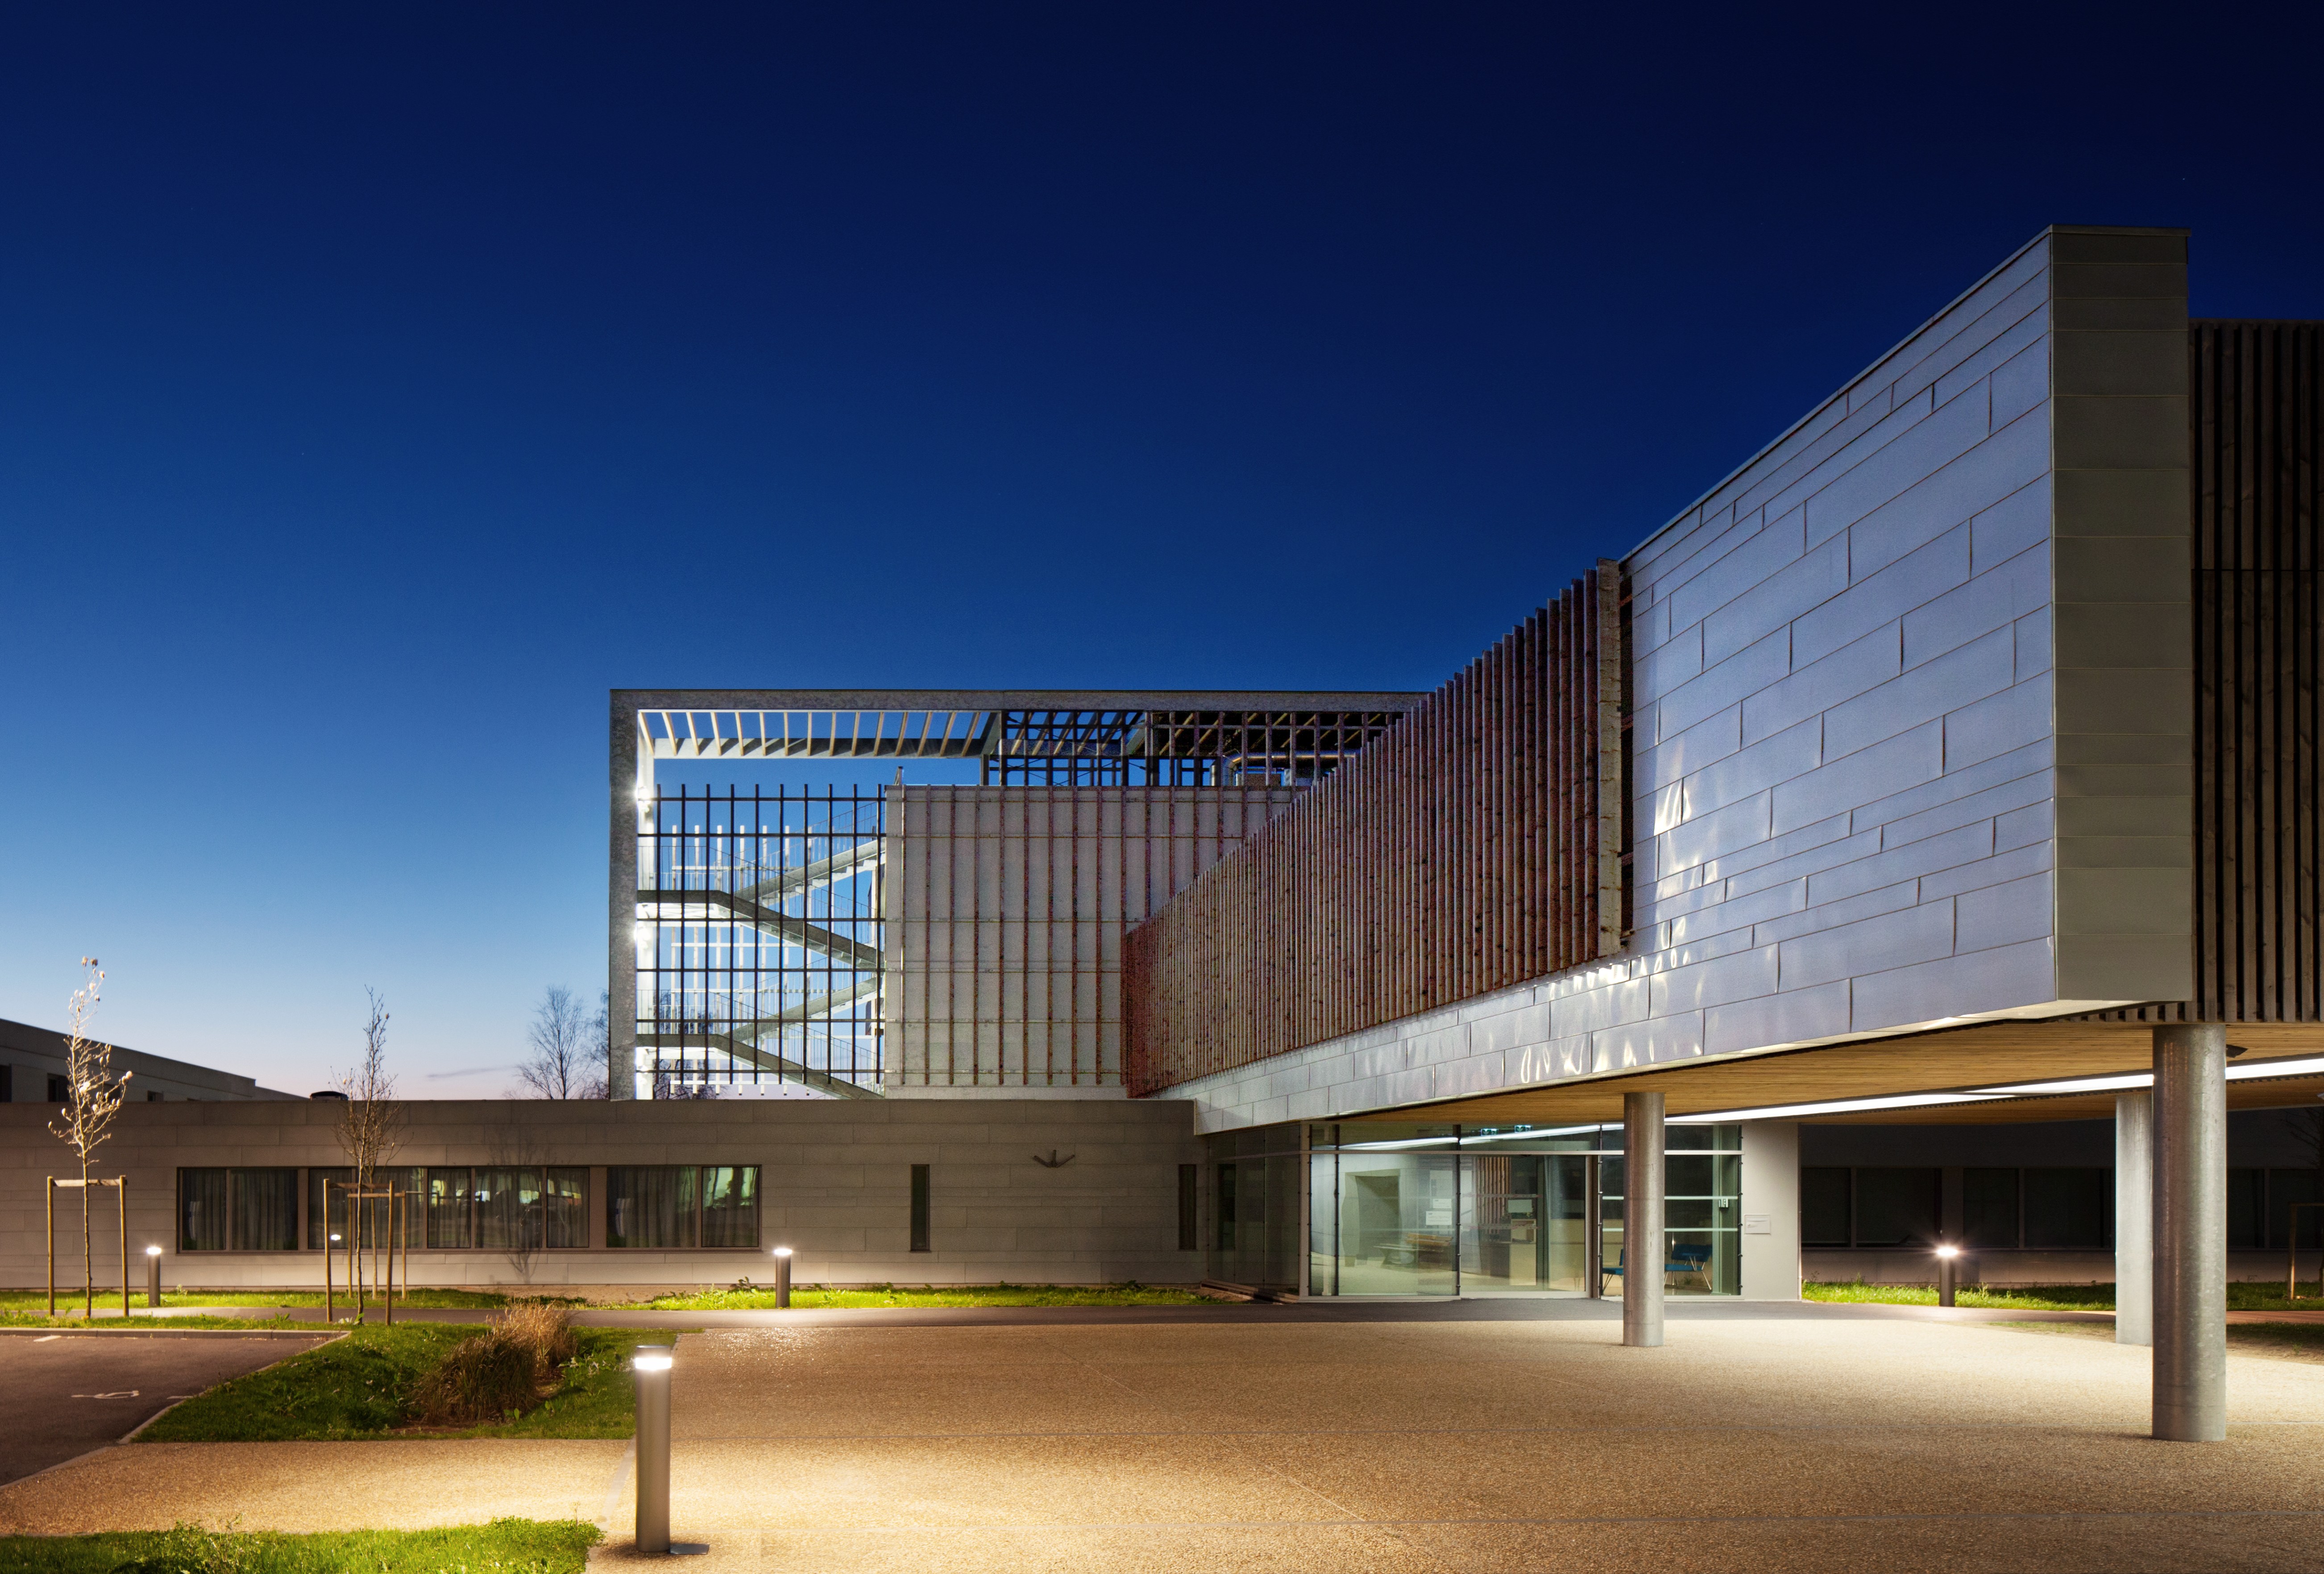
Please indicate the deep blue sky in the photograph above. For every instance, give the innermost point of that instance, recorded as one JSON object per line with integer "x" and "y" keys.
{"x": 377, "y": 389}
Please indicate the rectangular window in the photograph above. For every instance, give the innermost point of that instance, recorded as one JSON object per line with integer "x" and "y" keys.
{"x": 662, "y": 1206}
{"x": 2285, "y": 1188}
{"x": 1895, "y": 1206}
{"x": 2068, "y": 1209}
{"x": 1989, "y": 1208}
{"x": 2247, "y": 1192}
{"x": 238, "y": 1211}
{"x": 411, "y": 1185}
{"x": 565, "y": 1209}
{"x": 451, "y": 1209}
{"x": 1190, "y": 1185}
{"x": 1226, "y": 1208}
{"x": 730, "y": 1205}
{"x": 1824, "y": 1207}
{"x": 920, "y": 1209}
{"x": 60, "y": 1090}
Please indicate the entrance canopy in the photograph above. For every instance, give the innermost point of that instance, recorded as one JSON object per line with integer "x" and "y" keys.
{"x": 1987, "y": 1073}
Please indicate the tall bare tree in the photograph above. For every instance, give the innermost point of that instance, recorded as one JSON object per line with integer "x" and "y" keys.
{"x": 93, "y": 1096}
{"x": 370, "y": 1122}
{"x": 565, "y": 1062}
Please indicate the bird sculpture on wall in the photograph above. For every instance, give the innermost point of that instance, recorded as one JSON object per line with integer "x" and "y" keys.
{"x": 1053, "y": 1162}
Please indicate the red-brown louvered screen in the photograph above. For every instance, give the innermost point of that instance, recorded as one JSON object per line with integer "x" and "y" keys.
{"x": 1477, "y": 844}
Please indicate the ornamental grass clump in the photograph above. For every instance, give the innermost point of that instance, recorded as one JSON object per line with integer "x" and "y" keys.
{"x": 501, "y": 1373}
{"x": 546, "y": 1330}
{"x": 484, "y": 1378}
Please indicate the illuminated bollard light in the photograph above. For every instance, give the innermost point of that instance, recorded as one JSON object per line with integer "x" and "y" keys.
{"x": 1948, "y": 1271}
{"x": 651, "y": 1364}
{"x": 152, "y": 1275}
{"x": 783, "y": 1276}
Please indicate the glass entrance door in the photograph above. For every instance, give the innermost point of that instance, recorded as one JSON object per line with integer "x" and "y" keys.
{"x": 1522, "y": 1222}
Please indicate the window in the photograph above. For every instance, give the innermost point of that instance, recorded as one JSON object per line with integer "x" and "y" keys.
{"x": 1226, "y": 1207}
{"x": 153, "y": 1095}
{"x": 677, "y": 1207}
{"x": 410, "y": 1183}
{"x": 459, "y": 1208}
{"x": 730, "y": 1205}
{"x": 60, "y": 1089}
{"x": 920, "y": 1209}
{"x": 1989, "y": 1208}
{"x": 2069, "y": 1208}
{"x": 1895, "y": 1206}
{"x": 237, "y": 1211}
{"x": 1824, "y": 1207}
{"x": 1190, "y": 1238}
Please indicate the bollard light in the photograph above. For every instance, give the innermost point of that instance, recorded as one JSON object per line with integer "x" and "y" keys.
{"x": 152, "y": 1275}
{"x": 1948, "y": 1265}
{"x": 783, "y": 1276}
{"x": 651, "y": 1364}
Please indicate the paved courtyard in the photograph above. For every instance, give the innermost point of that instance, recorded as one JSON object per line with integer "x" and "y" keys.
{"x": 1818, "y": 1440}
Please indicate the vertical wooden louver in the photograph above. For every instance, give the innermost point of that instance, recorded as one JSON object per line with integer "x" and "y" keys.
{"x": 2259, "y": 488}
{"x": 1477, "y": 844}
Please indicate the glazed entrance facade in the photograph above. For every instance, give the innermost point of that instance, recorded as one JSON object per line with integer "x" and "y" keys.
{"x": 1377, "y": 1208}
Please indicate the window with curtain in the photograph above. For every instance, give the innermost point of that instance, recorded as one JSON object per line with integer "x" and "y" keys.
{"x": 508, "y": 1210}
{"x": 451, "y": 1209}
{"x": 413, "y": 1182}
{"x": 238, "y": 1210}
{"x": 679, "y": 1207}
{"x": 730, "y": 1205}
{"x": 565, "y": 1208}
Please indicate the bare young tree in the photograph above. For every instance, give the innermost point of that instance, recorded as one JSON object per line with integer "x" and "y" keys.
{"x": 93, "y": 1096}
{"x": 565, "y": 1063}
{"x": 371, "y": 1120}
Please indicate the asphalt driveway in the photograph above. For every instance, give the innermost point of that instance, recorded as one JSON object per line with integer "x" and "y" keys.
{"x": 63, "y": 1395}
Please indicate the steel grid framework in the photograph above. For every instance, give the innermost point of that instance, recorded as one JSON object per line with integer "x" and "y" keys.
{"x": 758, "y": 941}
{"x": 689, "y": 969}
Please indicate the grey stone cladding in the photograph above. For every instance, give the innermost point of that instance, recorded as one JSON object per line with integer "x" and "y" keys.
{"x": 834, "y": 1185}
{"x": 1909, "y": 699}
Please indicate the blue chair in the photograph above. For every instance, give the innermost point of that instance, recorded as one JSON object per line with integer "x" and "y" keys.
{"x": 1680, "y": 1259}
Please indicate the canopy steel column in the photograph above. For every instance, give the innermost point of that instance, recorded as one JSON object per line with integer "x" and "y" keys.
{"x": 2190, "y": 1233}
{"x": 1642, "y": 1219}
{"x": 2134, "y": 1219}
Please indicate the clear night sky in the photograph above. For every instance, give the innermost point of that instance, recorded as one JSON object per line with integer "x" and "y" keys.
{"x": 375, "y": 394}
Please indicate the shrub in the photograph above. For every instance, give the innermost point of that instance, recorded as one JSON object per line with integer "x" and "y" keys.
{"x": 484, "y": 1378}
{"x": 544, "y": 1330}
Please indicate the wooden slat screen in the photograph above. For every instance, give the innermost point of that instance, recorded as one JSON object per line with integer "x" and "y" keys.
{"x": 1477, "y": 844}
{"x": 2258, "y": 490}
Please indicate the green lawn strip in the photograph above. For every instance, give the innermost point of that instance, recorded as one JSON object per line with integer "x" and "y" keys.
{"x": 2242, "y": 1295}
{"x": 809, "y": 1297}
{"x": 505, "y": 1546}
{"x": 2015, "y": 1298}
{"x": 38, "y": 1300}
{"x": 360, "y": 1387}
{"x": 138, "y": 1325}
{"x": 2289, "y": 1341}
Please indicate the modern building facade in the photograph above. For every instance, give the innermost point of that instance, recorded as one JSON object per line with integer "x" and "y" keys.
{"x": 1856, "y": 842}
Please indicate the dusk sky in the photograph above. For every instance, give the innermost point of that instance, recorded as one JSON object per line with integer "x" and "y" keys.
{"x": 379, "y": 388}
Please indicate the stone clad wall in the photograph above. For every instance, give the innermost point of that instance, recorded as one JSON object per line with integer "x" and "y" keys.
{"x": 835, "y": 1178}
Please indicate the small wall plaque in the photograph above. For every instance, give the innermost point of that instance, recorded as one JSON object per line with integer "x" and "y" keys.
{"x": 1758, "y": 1224}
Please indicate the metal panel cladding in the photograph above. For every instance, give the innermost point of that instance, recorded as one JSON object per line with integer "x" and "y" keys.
{"x": 1477, "y": 844}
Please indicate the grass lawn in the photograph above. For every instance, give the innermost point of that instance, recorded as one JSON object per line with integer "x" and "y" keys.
{"x": 2015, "y": 1298}
{"x": 2242, "y": 1295}
{"x": 805, "y": 1296}
{"x": 360, "y": 1387}
{"x": 505, "y": 1546}
{"x": 2289, "y": 1341}
{"x": 37, "y": 1301}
